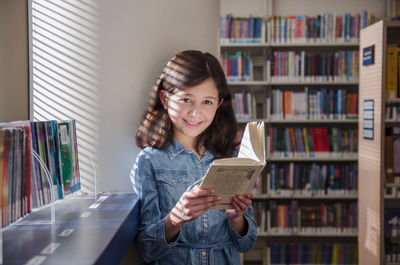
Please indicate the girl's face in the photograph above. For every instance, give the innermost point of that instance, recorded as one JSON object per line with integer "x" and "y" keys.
{"x": 191, "y": 110}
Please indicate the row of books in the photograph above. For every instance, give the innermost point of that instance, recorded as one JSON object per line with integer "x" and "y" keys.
{"x": 242, "y": 29}
{"x": 309, "y": 179}
{"x": 15, "y": 173}
{"x": 312, "y": 142}
{"x": 392, "y": 155}
{"x": 392, "y": 252}
{"x": 325, "y": 27}
{"x": 291, "y": 217}
{"x": 313, "y": 104}
{"x": 243, "y": 105}
{"x": 23, "y": 179}
{"x": 237, "y": 67}
{"x": 314, "y": 253}
{"x": 392, "y": 72}
{"x": 314, "y": 66}
{"x": 56, "y": 144}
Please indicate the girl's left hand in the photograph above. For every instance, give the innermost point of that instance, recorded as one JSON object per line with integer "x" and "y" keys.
{"x": 241, "y": 204}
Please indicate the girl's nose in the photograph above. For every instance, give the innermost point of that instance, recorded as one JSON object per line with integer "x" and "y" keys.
{"x": 193, "y": 111}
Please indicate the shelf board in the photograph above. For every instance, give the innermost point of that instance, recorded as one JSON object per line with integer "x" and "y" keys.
{"x": 392, "y": 185}
{"x": 245, "y": 44}
{"x": 342, "y": 121}
{"x": 305, "y": 197}
{"x": 305, "y": 82}
{"x": 393, "y": 101}
{"x": 391, "y": 123}
{"x": 249, "y": 83}
{"x": 284, "y": 82}
{"x": 293, "y": 44}
{"x": 314, "y": 121}
{"x": 391, "y": 197}
{"x": 308, "y": 234}
{"x": 250, "y": 120}
{"x": 315, "y": 44}
{"x": 311, "y": 159}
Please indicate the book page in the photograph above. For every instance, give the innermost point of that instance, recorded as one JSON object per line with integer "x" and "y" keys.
{"x": 232, "y": 176}
{"x": 253, "y": 143}
{"x": 227, "y": 181}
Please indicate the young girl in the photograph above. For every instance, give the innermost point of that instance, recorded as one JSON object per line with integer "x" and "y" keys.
{"x": 189, "y": 122}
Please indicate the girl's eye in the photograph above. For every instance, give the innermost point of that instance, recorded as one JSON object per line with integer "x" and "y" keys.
{"x": 208, "y": 102}
{"x": 186, "y": 100}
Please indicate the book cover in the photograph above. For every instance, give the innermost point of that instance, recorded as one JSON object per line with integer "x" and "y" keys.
{"x": 389, "y": 161}
{"x": 231, "y": 176}
{"x": 64, "y": 132}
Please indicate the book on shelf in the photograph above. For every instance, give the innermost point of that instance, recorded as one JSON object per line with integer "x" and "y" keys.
{"x": 24, "y": 185}
{"x": 396, "y": 154}
{"x": 305, "y": 66}
{"x": 316, "y": 142}
{"x": 237, "y": 67}
{"x": 242, "y": 29}
{"x": 231, "y": 176}
{"x": 319, "y": 218}
{"x": 392, "y": 72}
{"x": 313, "y": 253}
{"x": 313, "y": 179}
{"x": 323, "y": 28}
{"x": 244, "y": 105}
{"x": 313, "y": 104}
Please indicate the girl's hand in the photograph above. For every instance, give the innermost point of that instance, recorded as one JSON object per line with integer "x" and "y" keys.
{"x": 241, "y": 204}
{"x": 191, "y": 205}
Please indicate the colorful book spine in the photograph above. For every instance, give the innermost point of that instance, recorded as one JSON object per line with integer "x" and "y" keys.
{"x": 313, "y": 253}
{"x": 392, "y": 72}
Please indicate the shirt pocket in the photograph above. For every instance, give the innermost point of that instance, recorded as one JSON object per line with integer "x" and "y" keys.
{"x": 171, "y": 185}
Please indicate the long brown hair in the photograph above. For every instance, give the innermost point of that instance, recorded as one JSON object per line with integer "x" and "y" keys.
{"x": 186, "y": 69}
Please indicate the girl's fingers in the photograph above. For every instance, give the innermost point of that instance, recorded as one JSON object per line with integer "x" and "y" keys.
{"x": 197, "y": 192}
{"x": 242, "y": 202}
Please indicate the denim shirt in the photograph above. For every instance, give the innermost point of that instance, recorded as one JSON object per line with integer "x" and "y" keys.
{"x": 160, "y": 177}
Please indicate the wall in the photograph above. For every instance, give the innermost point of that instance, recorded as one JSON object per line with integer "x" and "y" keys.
{"x": 13, "y": 61}
{"x": 306, "y": 7}
{"x": 137, "y": 39}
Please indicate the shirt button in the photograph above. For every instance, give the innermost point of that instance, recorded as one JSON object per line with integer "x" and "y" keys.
{"x": 173, "y": 180}
{"x": 203, "y": 253}
{"x": 198, "y": 167}
{"x": 205, "y": 225}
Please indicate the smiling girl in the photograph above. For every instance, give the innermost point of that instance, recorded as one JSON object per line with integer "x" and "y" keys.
{"x": 189, "y": 122}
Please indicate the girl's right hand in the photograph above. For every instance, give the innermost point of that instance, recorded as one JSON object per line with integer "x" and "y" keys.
{"x": 192, "y": 204}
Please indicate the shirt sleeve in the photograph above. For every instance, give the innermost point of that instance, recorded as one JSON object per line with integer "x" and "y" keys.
{"x": 246, "y": 242}
{"x": 150, "y": 239}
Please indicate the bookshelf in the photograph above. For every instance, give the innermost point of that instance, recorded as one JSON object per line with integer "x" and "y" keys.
{"x": 378, "y": 185}
{"x": 302, "y": 184}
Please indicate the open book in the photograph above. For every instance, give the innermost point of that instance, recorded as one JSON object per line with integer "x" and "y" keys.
{"x": 231, "y": 176}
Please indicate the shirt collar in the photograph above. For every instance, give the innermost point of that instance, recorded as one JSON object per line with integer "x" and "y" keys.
{"x": 176, "y": 148}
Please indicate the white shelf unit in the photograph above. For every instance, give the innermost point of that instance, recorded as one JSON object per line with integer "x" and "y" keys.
{"x": 261, "y": 88}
